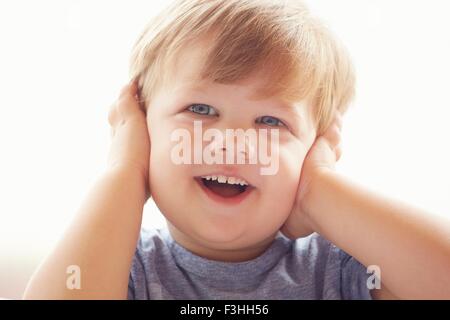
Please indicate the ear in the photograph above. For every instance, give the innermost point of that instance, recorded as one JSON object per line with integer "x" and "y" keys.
{"x": 141, "y": 100}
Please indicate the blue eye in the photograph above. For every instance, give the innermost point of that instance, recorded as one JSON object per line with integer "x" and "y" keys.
{"x": 202, "y": 109}
{"x": 270, "y": 121}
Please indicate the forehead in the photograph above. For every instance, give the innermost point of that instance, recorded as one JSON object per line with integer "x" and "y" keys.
{"x": 185, "y": 76}
{"x": 186, "y": 69}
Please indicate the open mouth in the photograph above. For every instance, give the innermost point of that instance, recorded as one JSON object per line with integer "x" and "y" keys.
{"x": 223, "y": 186}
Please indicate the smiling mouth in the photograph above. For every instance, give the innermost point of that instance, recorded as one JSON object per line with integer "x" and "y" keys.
{"x": 224, "y": 186}
{"x": 223, "y": 189}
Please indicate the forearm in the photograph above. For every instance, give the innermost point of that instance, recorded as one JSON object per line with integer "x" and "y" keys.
{"x": 411, "y": 247}
{"x": 101, "y": 240}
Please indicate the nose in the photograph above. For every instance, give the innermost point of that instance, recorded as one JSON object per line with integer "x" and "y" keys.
{"x": 235, "y": 142}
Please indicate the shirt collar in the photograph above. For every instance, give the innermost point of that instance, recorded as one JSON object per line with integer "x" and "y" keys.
{"x": 229, "y": 272}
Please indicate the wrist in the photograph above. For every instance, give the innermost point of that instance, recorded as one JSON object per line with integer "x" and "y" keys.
{"x": 133, "y": 172}
{"x": 312, "y": 197}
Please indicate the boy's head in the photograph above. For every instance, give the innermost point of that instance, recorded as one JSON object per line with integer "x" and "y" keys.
{"x": 235, "y": 64}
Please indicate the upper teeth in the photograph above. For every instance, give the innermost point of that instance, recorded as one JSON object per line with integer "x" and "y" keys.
{"x": 225, "y": 179}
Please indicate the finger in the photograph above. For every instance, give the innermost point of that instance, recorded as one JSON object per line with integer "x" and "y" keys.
{"x": 124, "y": 90}
{"x": 129, "y": 89}
{"x": 333, "y": 135}
{"x": 128, "y": 102}
{"x": 112, "y": 114}
{"x": 133, "y": 87}
{"x": 338, "y": 152}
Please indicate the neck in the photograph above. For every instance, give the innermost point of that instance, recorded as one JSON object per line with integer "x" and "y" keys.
{"x": 224, "y": 255}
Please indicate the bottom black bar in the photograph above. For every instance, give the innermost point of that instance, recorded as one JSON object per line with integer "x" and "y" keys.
{"x": 229, "y": 309}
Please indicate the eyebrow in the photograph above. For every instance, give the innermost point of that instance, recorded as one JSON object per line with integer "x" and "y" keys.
{"x": 290, "y": 109}
{"x": 298, "y": 113}
{"x": 280, "y": 104}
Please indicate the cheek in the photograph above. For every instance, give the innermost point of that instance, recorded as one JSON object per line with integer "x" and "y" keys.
{"x": 163, "y": 172}
{"x": 283, "y": 186}
{"x": 168, "y": 183}
{"x": 291, "y": 158}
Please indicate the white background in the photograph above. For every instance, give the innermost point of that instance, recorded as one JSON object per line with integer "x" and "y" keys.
{"x": 62, "y": 64}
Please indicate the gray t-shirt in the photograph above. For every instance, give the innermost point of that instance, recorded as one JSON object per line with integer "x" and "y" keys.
{"x": 306, "y": 268}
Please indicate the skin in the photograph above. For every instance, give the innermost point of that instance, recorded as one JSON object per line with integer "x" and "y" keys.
{"x": 214, "y": 231}
{"x": 102, "y": 237}
{"x": 310, "y": 195}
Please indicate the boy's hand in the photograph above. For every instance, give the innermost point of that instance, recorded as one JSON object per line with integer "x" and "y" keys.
{"x": 130, "y": 146}
{"x": 322, "y": 156}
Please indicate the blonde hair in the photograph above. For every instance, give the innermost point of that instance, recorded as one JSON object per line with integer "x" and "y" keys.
{"x": 302, "y": 57}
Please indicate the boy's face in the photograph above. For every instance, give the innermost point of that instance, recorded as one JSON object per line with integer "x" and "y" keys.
{"x": 217, "y": 216}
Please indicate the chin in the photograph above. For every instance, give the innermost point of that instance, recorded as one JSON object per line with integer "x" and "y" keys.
{"x": 232, "y": 238}
{"x": 218, "y": 233}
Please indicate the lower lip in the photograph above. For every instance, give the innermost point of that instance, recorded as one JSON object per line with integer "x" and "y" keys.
{"x": 227, "y": 201}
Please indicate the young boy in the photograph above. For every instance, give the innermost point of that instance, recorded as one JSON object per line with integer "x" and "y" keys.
{"x": 204, "y": 69}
